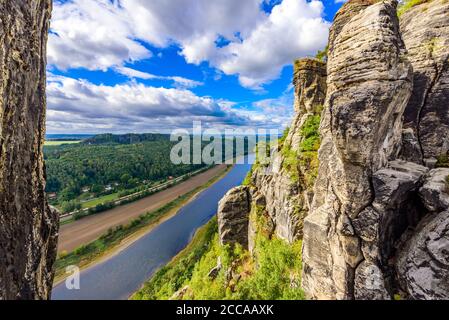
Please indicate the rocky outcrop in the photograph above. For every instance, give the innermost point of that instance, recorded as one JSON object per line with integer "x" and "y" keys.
{"x": 435, "y": 191}
{"x": 423, "y": 255}
{"x": 344, "y": 15}
{"x": 287, "y": 190}
{"x": 233, "y": 217}
{"x": 423, "y": 264}
{"x": 425, "y": 30}
{"x": 274, "y": 196}
{"x": 28, "y": 227}
{"x": 375, "y": 223}
{"x": 395, "y": 208}
{"x": 369, "y": 84}
{"x": 309, "y": 80}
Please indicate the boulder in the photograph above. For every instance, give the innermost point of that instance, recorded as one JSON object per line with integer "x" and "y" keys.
{"x": 435, "y": 191}
{"x": 370, "y": 283}
{"x": 423, "y": 263}
{"x": 233, "y": 217}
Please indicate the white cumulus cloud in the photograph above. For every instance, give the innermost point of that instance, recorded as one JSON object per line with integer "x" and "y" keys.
{"x": 100, "y": 34}
{"x": 76, "y": 105}
{"x": 92, "y": 34}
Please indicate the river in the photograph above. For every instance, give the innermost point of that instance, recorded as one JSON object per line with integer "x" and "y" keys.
{"x": 121, "y": 275}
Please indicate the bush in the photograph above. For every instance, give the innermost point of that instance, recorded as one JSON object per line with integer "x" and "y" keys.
{"x": 322, "y": 54}
{"x": 175, "y": 274}
{"x": 70, "y": 206}
{"x": 278, "y": 266}
{"x": 278, "y": 274}
{"x": 442, "y": 161}
{"x": 62, "y": 254}
{"x": 311, "y": 135}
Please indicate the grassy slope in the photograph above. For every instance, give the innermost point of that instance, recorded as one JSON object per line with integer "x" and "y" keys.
{"x": 99, "y": 200}
{"x": 279, "y": 266}
{"x": 171, "y": 277}
{"x": 408, "y": 4}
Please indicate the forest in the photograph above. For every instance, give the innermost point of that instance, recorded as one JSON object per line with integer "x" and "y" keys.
{"x": 103, "y": 167}
{"x": 107, "y": 164}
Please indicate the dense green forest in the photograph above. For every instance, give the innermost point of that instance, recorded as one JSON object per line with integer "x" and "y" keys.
{"x": 107, "y": 164}
{"x": 101, "y": 168}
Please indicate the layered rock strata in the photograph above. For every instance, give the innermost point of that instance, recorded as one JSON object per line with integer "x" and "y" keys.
{"x": 233, "y": 217}
{"x": 28, "y": 227}
{"x": 425, "y": 30}
{"x": 423, "y": 256}
{"x": 369, "y": 84}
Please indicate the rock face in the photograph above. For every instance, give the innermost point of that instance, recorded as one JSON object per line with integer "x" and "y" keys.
{"x": 395, "y": 208}
{"x": 233, "y": 217}
{"x": 423, "y": 264}
{"x": 425, "y": 30}
{"x": 369, "y": 84}
{"x": 375, "y": 221}
{"x": 28, "y": 228}
{"x": 435, "y": 191}
{"x": 423, "y": 257}
{"x": 344, "y": 15}
{"x": 287, "y": 199}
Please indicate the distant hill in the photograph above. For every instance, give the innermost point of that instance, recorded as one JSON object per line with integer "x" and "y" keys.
{"x": 128, "y": 138}
{"x": 67, "y": 137}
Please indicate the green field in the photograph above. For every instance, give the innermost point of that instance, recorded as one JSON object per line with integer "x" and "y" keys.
{"x": 100, "y": 200}
{"x": 59, "y": 143}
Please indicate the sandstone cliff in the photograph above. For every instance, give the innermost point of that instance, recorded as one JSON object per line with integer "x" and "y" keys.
{"x": 28, "y": 228}
{"x": 369, "y": 84}
{"x": 425, "y": 30}
{"x": 284, "y": 187}
{"x": 374, "y": 216}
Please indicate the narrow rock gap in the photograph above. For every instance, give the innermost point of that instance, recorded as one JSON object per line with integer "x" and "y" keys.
{"x": 426, "y": 97}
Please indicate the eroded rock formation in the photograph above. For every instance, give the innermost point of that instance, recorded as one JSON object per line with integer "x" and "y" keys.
{"x": 286, "y": 188}
{"x": 233, "y": 215}
{"x": 28, "y": 227}
{"x": 423, "y": 255}
{"x": 425, "y": 30}
{"x": 369, "y": 83}
{"x": 376, "y": 219}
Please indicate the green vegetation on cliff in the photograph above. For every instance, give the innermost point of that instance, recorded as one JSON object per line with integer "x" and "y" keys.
{"x": 303, "y": 165}
{"x": 276, "y": 275}
{"x": 442, "y": 161}
{"x": 172, "y": 277}
{"x": 322, "y": 54}
{"x": 408, "y": 4}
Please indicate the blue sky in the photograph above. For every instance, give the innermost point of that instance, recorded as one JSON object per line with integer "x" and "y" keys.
{"x": 154, "y": 66}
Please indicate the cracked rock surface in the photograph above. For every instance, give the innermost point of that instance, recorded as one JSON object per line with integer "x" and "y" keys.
{"x": 369, "y": 84}
{"x": 28, "y": 227}
{"x": 425, "y": 30}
